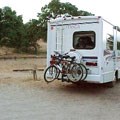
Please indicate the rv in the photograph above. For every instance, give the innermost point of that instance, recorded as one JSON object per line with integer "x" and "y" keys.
{"x": 94, "y": 38}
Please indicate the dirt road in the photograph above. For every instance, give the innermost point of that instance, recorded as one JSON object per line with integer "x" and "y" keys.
{"x": 22, "y": 98}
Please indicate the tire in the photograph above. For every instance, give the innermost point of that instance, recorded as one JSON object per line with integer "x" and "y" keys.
{"x": 85, "y": 71}
{"x": 116, "y": 76}
{"x": 111, "y": 84}
{"x": 50, "y": 74}
{"x": 76, "y": 73}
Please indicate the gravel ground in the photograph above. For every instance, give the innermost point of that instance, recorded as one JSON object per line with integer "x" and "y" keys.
{"x": 22, "y": 98}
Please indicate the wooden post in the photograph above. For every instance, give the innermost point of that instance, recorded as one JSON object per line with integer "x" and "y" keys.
{"x": 35, "y": 72}
{"x": 34, "y": 75}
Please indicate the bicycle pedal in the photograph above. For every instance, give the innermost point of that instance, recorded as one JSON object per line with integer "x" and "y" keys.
{"x": 64, "y": 80}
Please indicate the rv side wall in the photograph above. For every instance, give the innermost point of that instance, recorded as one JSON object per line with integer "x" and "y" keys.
{"x": 108, "y": 52}
{"x": 117, "y": 53}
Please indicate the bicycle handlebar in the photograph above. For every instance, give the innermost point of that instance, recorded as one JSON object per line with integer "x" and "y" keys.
{"x": 56, "y": 52}
{"x": 61, "y": 56}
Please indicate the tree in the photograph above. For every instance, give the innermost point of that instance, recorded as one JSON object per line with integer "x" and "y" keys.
{"x": 14, "y": 33}
{"x": 12, "y": 28}
{"x": 54, "y": 8}
{"x": 1, "y": 14}
{"x": 32, "y": 34}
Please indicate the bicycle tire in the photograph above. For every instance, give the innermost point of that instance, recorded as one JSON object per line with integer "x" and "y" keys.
{"x": 85, "y": 71}
{"x": 76, "y": 73}
{"x": 50, "y": 74}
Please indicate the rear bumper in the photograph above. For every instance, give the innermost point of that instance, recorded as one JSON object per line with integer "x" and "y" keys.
{"x": 94, "y": 79}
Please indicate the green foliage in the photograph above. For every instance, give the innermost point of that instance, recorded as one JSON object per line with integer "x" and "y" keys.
{"x": 54, "y": 8}
{"x": 14, "y": 33}
{"x": 32, "y": 34}
{"x": 12, "y": 28}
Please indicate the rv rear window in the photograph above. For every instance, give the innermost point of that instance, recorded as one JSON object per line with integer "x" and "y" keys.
{"x": 84, "y": 40}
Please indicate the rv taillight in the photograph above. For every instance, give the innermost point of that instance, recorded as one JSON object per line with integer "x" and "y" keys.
{"x": 91, "y": 63}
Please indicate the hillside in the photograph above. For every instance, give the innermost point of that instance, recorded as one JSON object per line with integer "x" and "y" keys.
{"x": 5, "y": 51}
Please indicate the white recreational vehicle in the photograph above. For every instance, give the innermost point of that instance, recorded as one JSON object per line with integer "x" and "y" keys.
{"x": 94, "y": 38}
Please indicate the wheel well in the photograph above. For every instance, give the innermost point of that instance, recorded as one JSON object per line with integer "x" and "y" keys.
{"x": 116, "y": 74}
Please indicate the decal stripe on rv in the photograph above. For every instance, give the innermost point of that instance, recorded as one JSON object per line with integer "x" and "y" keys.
{"x": 90, "y": 57}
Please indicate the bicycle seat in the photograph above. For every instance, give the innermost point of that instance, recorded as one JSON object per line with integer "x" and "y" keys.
{"x": 73, "y": 57}
{"x": 66, "y": 56}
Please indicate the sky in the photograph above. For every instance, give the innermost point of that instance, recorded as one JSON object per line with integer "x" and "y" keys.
{"x": 108, "y": 9}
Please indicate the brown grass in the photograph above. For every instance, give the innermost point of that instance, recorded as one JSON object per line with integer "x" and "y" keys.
{"x": 5, "y": 51}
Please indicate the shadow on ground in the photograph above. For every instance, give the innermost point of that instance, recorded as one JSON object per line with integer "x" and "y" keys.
{"x": 88, "y": 88}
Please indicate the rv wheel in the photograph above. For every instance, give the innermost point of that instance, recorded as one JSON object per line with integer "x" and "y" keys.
{"x": 111, "y": 84}
{"x": 116, "y": 76}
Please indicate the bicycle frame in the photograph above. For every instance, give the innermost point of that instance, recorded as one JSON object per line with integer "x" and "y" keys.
{"x": 64, "y": 66}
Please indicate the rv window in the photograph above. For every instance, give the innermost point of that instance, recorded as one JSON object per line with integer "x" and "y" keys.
{"x": 118, "y": 40}
{"x": 109, "y": 42}
{"x": 84, "y": 40}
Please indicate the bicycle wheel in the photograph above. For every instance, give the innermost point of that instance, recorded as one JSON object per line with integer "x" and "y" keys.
{"x": 76, "y": 73}
{"x": 50, "y": 74}
{"x": 85, "y": 71}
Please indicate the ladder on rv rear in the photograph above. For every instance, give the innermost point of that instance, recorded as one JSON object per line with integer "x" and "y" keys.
{"x": 59, "y": 38}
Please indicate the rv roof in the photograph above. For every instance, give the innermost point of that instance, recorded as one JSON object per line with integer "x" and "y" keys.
{"x": 58, "y": 19}
{"x": 65, "y": 18}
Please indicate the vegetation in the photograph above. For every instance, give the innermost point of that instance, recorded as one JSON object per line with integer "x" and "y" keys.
{"x": 23, "y": 37}
{"x": 54, "y": 8}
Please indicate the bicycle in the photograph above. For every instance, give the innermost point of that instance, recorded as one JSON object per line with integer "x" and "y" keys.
{"x": 64, "y": 65}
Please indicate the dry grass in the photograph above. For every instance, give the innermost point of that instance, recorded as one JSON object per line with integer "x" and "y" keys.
{"x": 10, "y": 65}
{"x": 11, "y": 51}
{"x": 43, "y": 45}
